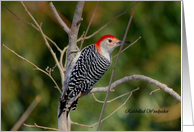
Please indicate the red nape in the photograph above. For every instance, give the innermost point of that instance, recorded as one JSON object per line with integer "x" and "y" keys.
{"x": 97, "y": 44}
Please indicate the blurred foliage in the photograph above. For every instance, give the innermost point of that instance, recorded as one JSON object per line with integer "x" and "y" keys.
{"x": 157, "y": 55}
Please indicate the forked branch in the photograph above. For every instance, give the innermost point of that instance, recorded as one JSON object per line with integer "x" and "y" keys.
{"x": 113, "y": 71}
{"x": 31, "y": 24}
{"x": 43, "y": 127}
{"x": 90, "y": 126}
{"x": 36, "y": 67}
{"x": 46, "y": 42}
{"x": 89, "y": 25}
{"x": 109, "y": 101}
{"x": 64, "y": 122}
{"x": 88, "y": 37}
{"x": 64, "y": 26}
{"x": 132, "y": 78}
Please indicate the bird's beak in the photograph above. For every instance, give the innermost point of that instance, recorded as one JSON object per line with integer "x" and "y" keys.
{"x": 120, "y": 42}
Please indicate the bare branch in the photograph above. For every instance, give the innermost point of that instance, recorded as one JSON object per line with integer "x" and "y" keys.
{"x": 117, "y": 108}
{"x": 61, "y": 57}
{"x": 63, "y": 122}
{"x": 72, "y": 39}
{"x": 88, "y": 37}
{"x": 108, "y": 91}
{"x": 128, "y": 46}
{"x": 26, "y": 114}
{"x": 46, "y": 42}
{"x": 18, "y": 18}
{"x": 35, "y": 125}
{"x": 73, "y": 36}
{"x": 154, "y": 91}
{"x": 159, "y": 84}
{"x": 89, "y": 25}
{"x": 61, "y": 22}
{"x": 36, "y": 67}
{"x": 132, "y": 78}
{"x": 53, "y": 43}
{"x": 90, "y": 126}
{"x": 109, "y": 101}
{"x": 82, "y": 125}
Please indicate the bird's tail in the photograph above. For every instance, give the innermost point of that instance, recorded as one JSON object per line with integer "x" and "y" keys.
{"x": 64, "y": 106}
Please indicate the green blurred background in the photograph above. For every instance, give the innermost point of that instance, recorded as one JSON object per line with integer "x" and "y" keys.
{"x": 157, "y": 55}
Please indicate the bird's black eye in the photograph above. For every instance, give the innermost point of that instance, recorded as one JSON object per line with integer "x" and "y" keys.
{"x": 109, "y": 40}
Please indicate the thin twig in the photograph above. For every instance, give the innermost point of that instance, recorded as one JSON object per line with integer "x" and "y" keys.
{"x": 109, "y": 101}
{"x": 128, "y": 46}
{"x": 27, "y": 113}
{"x": 31, "y": 24}
{"x": 61, "y": 56}
{"x": 89, "y": 25}
{"x": 88, "y": 37}
{"x": 125, "y": 35}
{"x": 18, "y": 18}
{"x": 46, "y": 42}
{"x": 117, "y": 108}
{"x": 90, "y": 126}
{"x": 53, "y": 67}
{"x": 154, "y": 91}
{"x": 82, "y": 125}
{"x": 35, "y": 125}
{"x": 36, "y": 67}
{"x": 61, "y": 22}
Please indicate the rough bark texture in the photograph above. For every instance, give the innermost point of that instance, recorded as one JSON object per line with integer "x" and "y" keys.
{"x": 63, "y": 122}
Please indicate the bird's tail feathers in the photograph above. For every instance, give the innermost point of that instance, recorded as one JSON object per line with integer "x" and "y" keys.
{"x": 66, "y": 106}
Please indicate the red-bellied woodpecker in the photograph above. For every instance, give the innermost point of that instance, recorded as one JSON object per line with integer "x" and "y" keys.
{"x": 90, "y": 65}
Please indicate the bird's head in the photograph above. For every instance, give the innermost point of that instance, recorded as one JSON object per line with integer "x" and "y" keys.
{"x": 107, "y": 43}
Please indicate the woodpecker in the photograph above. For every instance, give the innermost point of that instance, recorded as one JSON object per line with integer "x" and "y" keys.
{"x": 90, "y": 65}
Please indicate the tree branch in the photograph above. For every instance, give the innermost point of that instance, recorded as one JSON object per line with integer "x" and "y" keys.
{"x": 132, "y": 78}
{"x": 109, "y": 101}
{"x": 90, "y": 126}
{"x": 31, "y": 24}
{"x": 128, "y": 46}
{"x": 88, "y": 37}
{"x": 63, "y": 122}
{"x": 89, "y": 25}
{"x": 61, "y": 22}
{"x": 73, "y": 36}
{"x": 61, "y": 57}
{"x": 46, "y": 42}
{"x": 36, "y": 67}
{"x": 108, "y": 91}
{"x": 35, "y": 125}
{"x": 26, "y": 114}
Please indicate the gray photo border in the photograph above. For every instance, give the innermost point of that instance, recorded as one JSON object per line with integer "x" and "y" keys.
{"x": 187, "y": 65}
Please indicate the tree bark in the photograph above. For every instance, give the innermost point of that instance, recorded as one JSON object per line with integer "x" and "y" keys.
{"x": 64, "y": 124}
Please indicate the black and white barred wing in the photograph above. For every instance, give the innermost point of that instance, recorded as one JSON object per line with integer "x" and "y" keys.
{"x": 89, "y": 68}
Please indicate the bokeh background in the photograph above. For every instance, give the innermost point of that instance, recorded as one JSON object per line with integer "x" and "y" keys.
{"x": 157, "y": 55}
